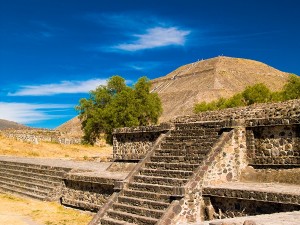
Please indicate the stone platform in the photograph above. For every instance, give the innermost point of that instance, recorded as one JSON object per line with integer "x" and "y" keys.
{"x": 269, "y": 192}
{"x": 95, "y": 169}
{"x": 83, "y": 185}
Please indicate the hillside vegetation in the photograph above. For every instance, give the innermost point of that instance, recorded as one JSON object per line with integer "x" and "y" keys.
{"x": 258, "y": 93}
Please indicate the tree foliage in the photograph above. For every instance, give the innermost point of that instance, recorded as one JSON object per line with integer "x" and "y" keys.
{"x": 258, "y": 93}
{"x": 116, "y": 105}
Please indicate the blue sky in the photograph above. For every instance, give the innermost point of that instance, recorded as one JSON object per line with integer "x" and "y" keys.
{"x": 52, "y": 52}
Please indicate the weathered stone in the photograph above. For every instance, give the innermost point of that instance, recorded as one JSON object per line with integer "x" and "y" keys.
{"x": 249, "y": 222}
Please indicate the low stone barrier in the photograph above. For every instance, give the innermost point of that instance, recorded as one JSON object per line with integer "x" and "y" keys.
{"x": 40, "y": 135}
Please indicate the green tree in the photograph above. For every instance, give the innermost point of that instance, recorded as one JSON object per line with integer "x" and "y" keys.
{"x": 235, "y": 101}
{"x": 291, "y": 90}
{"x": 117, "y": 105}
{"x": 258, "y": 93}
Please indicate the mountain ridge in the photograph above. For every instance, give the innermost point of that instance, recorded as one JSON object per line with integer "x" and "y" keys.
{"x": 7, "y": 124}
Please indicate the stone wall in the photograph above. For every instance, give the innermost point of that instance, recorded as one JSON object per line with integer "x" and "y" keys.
{"x": 284, "y": 110}
{"x": 87, "y": 194}
{"x": 40, "y": 135}
{"x": 133, "y": 143}
{"x": 229, "y": 161}
{"x": 233, "y": 207}
{"x": 274, "y": 145}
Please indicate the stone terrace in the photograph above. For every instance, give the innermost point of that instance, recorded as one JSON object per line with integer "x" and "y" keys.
{"x": 270, "y": 192}
{"x": 85, "y": 185}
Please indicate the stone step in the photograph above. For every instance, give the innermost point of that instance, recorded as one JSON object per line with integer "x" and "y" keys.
{"x": 178, "y": 159}
{"x": 110, "y": 221}
{"x": 159, "y": 180}
{"x": 34, "y": 166}
{"x": 171, "y": 166}
{"x": 31, "y": 174}
{"x": 33, "y": 170}
{"x": 30, "y": 179}
{"x": 182, "y": 174}
{"x": 152, "y": 196}
{"x": 198, "y": 126}
{"x": 153, "y": 213}
{"x": 131, "y": 218}
{"x": 194, "y": 133}
{"x": 143, "y": 203}
{"x": 194, "y": 139}
{"x": 187, "y": 145}
{"x": 23, "y": 189}
{"x": 156, "y": 188}
{"x": 80, "y": 204}
{"x": 30, "y": 194}
{"x": 181, "y": 152}
{"x": 27, "y": 184}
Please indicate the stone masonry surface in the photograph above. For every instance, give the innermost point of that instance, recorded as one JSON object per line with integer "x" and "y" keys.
{"x": 274, "y": 144}
{"x": 270, "y": 192}
{"x": 289, "y": 109}
{"x": 85, "y": 185}
{"x": 132, "y": 143}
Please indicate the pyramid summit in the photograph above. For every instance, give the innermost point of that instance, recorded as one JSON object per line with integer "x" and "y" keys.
{"x": 208, "y": 80}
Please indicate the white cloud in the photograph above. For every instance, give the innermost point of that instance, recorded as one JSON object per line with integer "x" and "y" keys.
{"x": 29, "y": 113}
{"x": 155, "y": 37}
{"x": 64, "y": 87}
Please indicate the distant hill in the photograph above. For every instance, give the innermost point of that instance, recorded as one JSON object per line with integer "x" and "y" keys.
{"x": 210, "y": 79}
{"x": 204, "y": 80}
{"x": 6, "y": 124}
{"x": 71, "y": 127}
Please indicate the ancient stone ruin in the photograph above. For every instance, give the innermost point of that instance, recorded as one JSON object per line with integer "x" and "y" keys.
{"x": 229, "y": 163}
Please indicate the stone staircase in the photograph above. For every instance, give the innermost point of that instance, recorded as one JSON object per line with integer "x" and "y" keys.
{"x": 32, "y": 180}
{"x": 153, "y": 187}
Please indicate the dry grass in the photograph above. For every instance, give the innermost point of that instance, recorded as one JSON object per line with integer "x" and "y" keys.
{"x": 12, "y": 147}
{"x": 19, "y": 211}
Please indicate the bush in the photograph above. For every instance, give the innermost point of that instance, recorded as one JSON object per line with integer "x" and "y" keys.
{"x": 291, "y": 89}
{"x": 258, "y": 93}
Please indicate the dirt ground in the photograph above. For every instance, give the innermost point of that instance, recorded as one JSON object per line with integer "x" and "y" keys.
{"x": 12, "y": 147}
{"x": 16, "y": 210}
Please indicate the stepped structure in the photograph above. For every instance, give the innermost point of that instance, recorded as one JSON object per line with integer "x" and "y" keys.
{"x": 208, "y": 80}
{"x": 230, "y": 163}
{"x": 150, "y": 190}
{"x": 36, "y": 181}
{"x": 192, "y": 172}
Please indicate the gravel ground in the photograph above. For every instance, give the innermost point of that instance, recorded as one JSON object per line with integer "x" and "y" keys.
{"x": 287, "y": 218}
